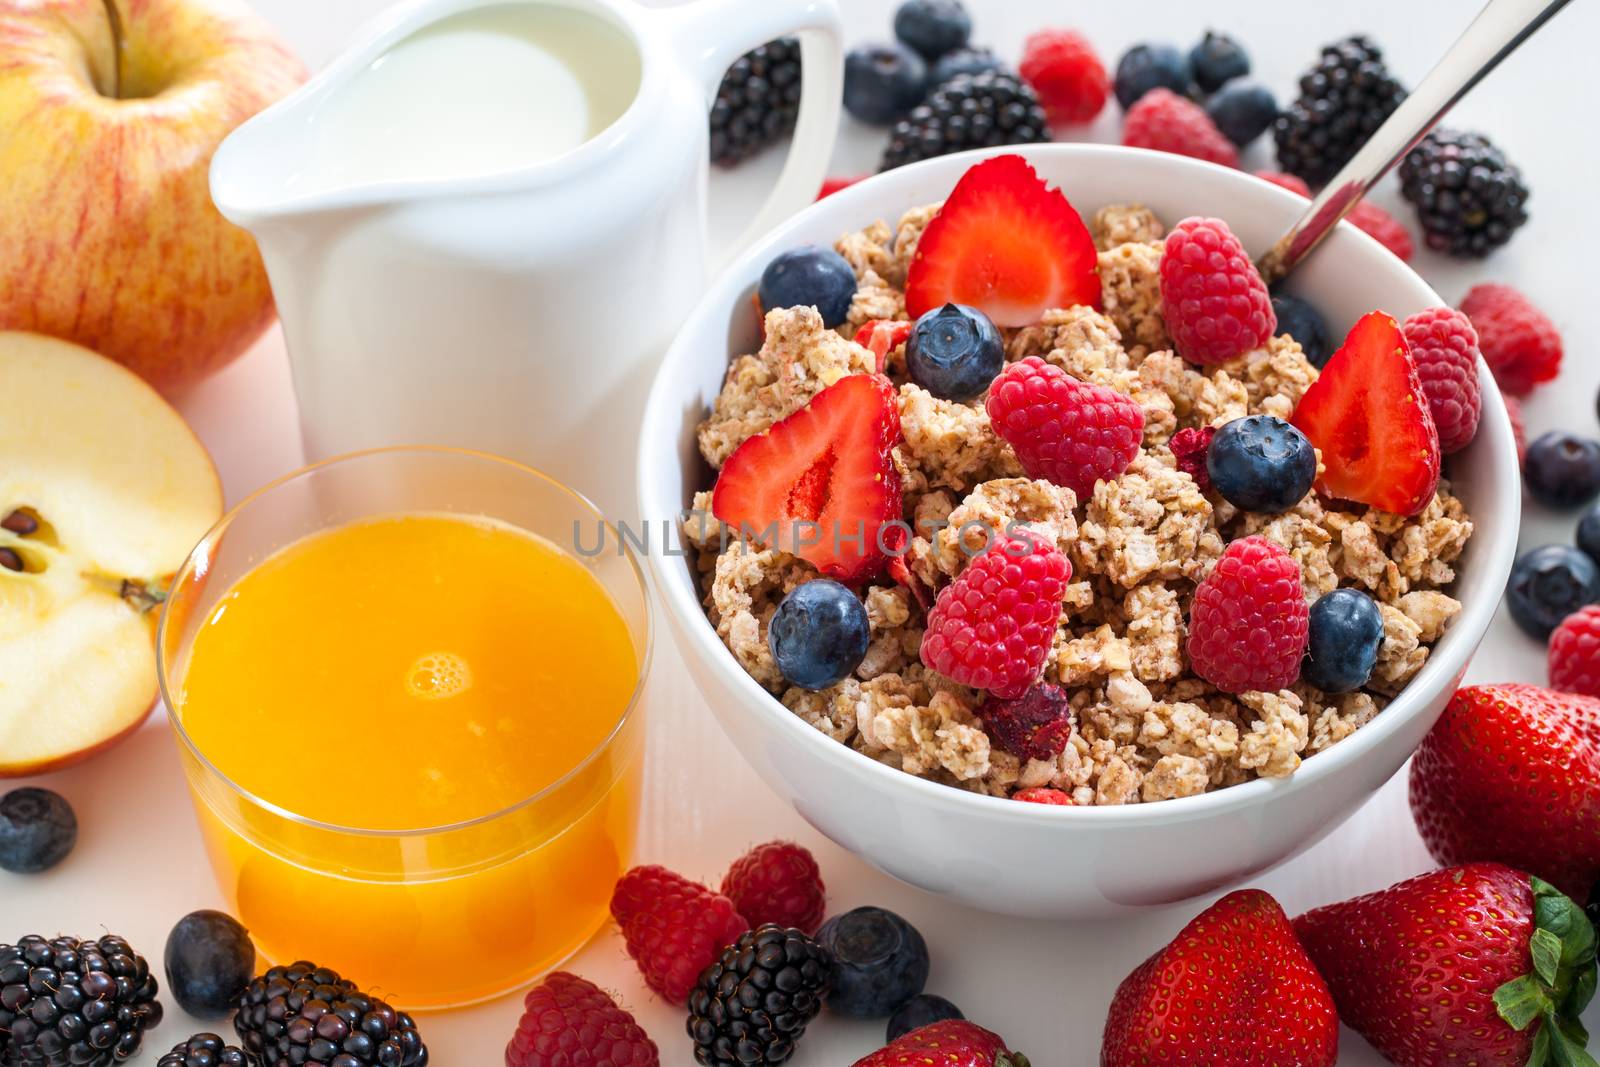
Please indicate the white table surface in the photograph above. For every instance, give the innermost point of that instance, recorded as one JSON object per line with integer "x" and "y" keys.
{"x": 139, "y": 866}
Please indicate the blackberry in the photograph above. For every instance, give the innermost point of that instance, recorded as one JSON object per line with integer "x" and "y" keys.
{"x": 1343, "y": 100}
{"x": 72, "y": 1002}
{"x": 1469, "y": 198}
{"x": 969, "y": 111}
{"x": 203, "y": 1050}
{"x": 305, "y": 1014}
{"x": 758, "y": 101}
{"x": 753, "y": 1003}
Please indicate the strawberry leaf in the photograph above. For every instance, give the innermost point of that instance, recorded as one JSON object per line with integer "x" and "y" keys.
{"x": 1564, "y": 1050}
{"x": 1562, "y": 949}
{"x": 1582, "y": 992}
{"x": 1545, "y": 948}
{"x": 1520, "y": 1001}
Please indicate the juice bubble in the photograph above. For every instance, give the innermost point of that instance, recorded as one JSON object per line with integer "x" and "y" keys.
{"x": 438, "y": 676}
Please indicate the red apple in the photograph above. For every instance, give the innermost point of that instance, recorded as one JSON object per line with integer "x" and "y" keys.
{"x": 103, "y": 492}
{"x": 110, "y": 111}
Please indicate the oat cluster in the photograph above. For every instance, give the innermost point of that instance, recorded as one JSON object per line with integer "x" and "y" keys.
{"x": 1146, "y": 727}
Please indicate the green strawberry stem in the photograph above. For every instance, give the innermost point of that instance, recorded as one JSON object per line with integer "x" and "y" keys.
{"x": 1560, "y": 985}
{"x": 1011, "y": 1059}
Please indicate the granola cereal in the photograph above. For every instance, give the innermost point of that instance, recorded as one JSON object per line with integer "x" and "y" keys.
{"x": 1146, "y": 728}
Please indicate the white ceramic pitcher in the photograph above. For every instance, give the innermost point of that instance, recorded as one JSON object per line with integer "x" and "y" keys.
{"x": 520, "y": 312}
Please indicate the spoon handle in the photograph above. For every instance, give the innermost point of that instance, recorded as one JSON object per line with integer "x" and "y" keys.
{"x": 1500, "y": 27}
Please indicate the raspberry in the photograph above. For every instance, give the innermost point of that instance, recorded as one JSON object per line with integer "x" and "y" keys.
{"x": 1065, "y": 431}
{"x": 1036, "y": 725}
{"x": 1519, "y": 342}
{"x": 569, "y": 1020}
{"x": 992, "y": 627}
{"x": 1519, "y": 428}
{"x": 1292, "y": 182}
{"x": 1043, "y": 795}
{"x": 1249, "y": 622}
{"x": 674, "y": 928}
{"x": 1445, "y": 348}
{"x": 1383, "y": 227}
{"x": 1575, "y": 653}
{"x": 1189, "y": 447}
{"x": 1365, "y": 216}
{"x": 778, "y": 882}
{"x": 833, "y": 185}
{"x": 1067, "y": 75}
{"x": 1167, "y": 122}
{"x": 1212, "y": 297}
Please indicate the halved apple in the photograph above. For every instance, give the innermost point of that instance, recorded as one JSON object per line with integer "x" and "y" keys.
{"x": 104, "y": 489}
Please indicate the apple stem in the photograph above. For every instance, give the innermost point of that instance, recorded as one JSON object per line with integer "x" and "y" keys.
{"x": 114, "y": 17}
{"x": 143, "y": 596}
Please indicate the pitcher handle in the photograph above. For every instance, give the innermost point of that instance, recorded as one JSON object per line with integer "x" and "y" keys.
{"x": 714, "y": 33}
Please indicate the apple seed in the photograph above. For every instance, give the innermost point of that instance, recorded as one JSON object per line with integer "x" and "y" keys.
{"x": 10, "y": 560}
{"x": 20, "y": 523}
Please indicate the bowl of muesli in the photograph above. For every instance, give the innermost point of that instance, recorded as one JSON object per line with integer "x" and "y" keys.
{"x": 1023, "y": 552}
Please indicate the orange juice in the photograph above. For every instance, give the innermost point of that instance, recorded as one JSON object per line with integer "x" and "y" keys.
{"x": 424, "y": 709}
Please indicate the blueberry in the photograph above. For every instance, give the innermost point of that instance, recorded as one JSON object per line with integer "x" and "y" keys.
{"x": 963, "y": 61}
{"x": 933, "y": 27}
{"x": 1148, "y": 66}
{"x": 954, "y": 352}
{"x": 1589, "y": 532}
{"x": 810, "y": 276}
{"x": 1242, "y": 110}
{"x": 37, "y": 830}
{"x": 1562, "y": 469}
{"x": 882, "y": 82}
{"x": 1261, "y": 463}
{"x": 210, "y": 960}
{"x": 1303, "y": 322}
{"x": 1216, "y": 60}
{"x": 924, "y": 1009}
{"x": 882, "y": 961}
{"x": 1346, "y": 630}
{"x": 819, "y": 634}
{"x": 1549, "y": 583}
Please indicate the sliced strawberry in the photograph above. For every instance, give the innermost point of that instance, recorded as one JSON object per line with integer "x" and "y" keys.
{"x": 1367, "y": 414}
{"x": 882, "y": 336}
{"x": 1007, "y": 244}
{"x": 822, "y": 483}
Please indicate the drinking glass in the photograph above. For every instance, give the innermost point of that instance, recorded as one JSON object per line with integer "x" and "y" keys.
{"x": 435, "y": 916}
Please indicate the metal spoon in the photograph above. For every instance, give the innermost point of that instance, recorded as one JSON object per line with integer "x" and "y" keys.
{"x": 1500, "y": 27}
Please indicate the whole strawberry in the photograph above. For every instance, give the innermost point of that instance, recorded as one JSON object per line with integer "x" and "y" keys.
{"x": 1063, "y": 430}
{"x": 1248, "y": 624}
{"x": 1478, "y": 964}
{"x": 674, "y": 928}
{"x": 952, "y": 1043}
{"x": 992, "y": 627}
{"x": 1212, "y": 297}
{"x": 1233, "y": 989}
{"x": 778, "y": 882}
{"x": 1512, "y": 773}
{"x": 569, "y": 1021}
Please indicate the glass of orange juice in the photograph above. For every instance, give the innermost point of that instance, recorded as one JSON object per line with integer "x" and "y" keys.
{"x": 406, "y": 686}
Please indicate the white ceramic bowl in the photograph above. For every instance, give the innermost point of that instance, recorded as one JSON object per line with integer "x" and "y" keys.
{"x": 1028, "y": 859}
